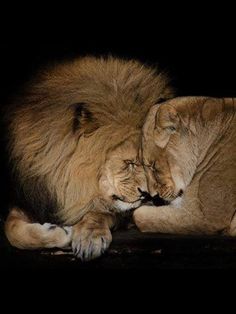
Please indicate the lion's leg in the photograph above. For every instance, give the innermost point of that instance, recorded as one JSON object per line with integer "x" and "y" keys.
{"x": 168, "y": 219}
{"x": 23, "y": 234}
{"x": 92, "y": 235}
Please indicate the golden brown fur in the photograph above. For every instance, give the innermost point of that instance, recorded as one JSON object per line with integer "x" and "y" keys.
{"x": 194, "y": 139}
{"x": 74, "y": 142}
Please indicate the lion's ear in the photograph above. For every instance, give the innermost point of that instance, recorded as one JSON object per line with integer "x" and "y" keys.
{"x": 84, "y": 121}
{"x": 166, "y": 123}
{"x": 167, "y": 118}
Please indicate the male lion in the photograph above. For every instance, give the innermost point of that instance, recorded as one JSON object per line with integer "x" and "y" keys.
{"x": 74, "y": 139}
{"x": 189, "y": 149}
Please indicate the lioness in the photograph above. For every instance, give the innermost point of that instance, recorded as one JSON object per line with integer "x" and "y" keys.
{"x": 74, "y": 142}
{"x": 189, "y": 150}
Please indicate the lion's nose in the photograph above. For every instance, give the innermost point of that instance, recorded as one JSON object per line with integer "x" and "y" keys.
{"x": 144, "y": 195}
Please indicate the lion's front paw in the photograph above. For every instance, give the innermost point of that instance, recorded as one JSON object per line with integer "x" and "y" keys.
{"x": 88, "y": 243}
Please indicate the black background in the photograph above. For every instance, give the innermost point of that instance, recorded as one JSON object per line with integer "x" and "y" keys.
{"x": 199, "y": 61}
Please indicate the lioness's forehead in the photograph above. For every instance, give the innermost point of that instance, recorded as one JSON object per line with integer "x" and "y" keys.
{"x": 148, "y": 156}
{"x": 148, "y": 151}
{"x": 187, "y": 105}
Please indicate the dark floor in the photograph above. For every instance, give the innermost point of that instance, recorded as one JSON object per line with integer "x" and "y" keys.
{"x": 132, "y": 250}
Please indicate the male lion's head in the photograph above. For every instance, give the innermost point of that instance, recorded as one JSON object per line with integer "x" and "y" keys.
{"x": 123, "y": 181}
{"x": 78, "y": 130}
{"x": 110, "y": 163}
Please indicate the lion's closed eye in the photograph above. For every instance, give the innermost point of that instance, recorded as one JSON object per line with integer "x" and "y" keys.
{"x": 131, "y": 164}
{"x": 170, "y": 128}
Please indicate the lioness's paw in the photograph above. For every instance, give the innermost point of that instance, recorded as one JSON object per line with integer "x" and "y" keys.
{"x": 88, "y": 244}
{"x": 141, "y": 217}
{"x": 56, "y": 236}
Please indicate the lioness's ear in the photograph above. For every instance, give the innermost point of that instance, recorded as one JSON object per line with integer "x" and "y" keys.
{"x": 211, "y": 108}
{"x": 166, "y": 123}
{"x": 84, "y": 121}
{"x": 167, "y": 118}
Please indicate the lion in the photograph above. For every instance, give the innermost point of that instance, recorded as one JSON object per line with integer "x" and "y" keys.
{"x": 189, "y": 153}
{"x": 74, "y": 138}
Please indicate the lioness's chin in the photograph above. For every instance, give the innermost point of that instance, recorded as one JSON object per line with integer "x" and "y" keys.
{"x": 124, "y": 206}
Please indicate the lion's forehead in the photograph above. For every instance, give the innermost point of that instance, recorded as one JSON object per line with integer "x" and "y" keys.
{"x": 129, "y": 146}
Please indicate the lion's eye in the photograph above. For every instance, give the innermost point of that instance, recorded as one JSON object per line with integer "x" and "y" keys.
{"x": 131, "y": 164}
{"x": 171, "y": 128}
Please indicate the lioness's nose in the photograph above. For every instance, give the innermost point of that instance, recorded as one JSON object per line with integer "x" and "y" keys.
{"x": 153, "y": 190}
{"x": 158, "y": 201}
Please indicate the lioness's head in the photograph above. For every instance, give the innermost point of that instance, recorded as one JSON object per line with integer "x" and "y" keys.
{"x": 170, "y": 144}
{"x": 176, "y": 136}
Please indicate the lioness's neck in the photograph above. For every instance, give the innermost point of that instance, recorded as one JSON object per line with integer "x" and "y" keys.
{"x": 215, "y": 128}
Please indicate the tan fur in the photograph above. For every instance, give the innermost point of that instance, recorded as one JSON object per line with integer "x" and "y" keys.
{"x": 84, "y": 168}
{"x": 195, "y": 139}
{"x": 26, "y": 235}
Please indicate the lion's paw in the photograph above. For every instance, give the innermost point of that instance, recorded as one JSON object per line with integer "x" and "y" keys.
{"x": 88, "y": 244}
{"x": 57, "y": 236}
